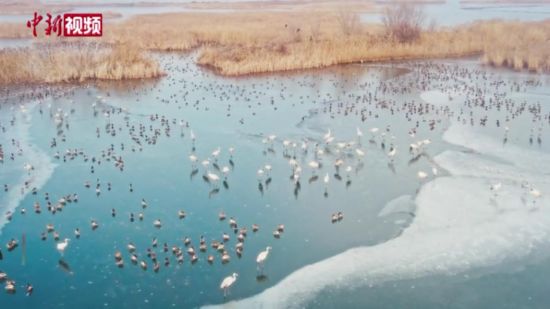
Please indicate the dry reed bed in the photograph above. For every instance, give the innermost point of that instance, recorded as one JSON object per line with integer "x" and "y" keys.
{"x": 253, "y": 42}
{"x": 68, "y": 63}
{"x": 238, "y": 60}
{"x": 517, "y": 45}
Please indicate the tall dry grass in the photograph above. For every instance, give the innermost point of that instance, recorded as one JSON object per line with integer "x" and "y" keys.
{"x": 292, "y": 56}
{"x": 253, "y": 42}
{"x": 517, "y": 45}
{"x": 74, "y": 62}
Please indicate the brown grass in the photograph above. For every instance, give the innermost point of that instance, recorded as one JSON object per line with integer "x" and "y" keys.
{"x": 67, "y": 63}
{"x": 511, "y": 44}
{"x": 292, "y": 56}
{"x": 517, "y": 45}
{"x": 253, "y": 42}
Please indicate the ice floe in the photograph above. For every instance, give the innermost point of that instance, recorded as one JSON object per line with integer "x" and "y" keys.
{"x": 460, "y": 225}
{"x": 43, "y": 167}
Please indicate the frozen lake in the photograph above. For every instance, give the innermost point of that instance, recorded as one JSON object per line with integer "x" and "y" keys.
{"x": 406, "y": 239}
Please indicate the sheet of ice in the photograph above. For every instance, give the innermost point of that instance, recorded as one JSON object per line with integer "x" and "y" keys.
{"x": 518, "y": 157}
{"x": 459, "y": 225}
{"x": 401, "y": 205}
{"x": 41, "y": 162}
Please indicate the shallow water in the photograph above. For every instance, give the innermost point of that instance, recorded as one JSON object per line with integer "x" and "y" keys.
{"x": 125, "y": 11}
{"x": 15, "y": 43}
{"x": 240, "y": 113}
{"x": 453, "y": 12}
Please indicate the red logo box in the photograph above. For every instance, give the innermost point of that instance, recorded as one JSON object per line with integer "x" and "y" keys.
{"x": 82, "y": 24}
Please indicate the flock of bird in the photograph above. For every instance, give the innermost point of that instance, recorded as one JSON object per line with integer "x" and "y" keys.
{"x": 324, "y": 157}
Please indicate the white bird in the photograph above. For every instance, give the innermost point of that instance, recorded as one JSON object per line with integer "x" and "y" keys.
{"x": 535, "y": 193}
{"x": 328, "y": 135}
{"x": 326, "y": 179}
{"x": 193, "y": 158}
{"x": 213, "y": 177}
{"x": 262, "y": 257}
{"x": 232, "y": 222}
{"x": 216, "y": 152}
{"x": 61, "y": 246}
{"x": 28, "y": 167}
{"x": 360, "y": 152}
{"x": 296, "y": 178}
{"x": 359, "y": 132}
{"x": 434, "y": 170}
{"x": 228, "y": 282}
{"x": 422, "y": 174}
{"x": 293, "y": 163}
{"x": 392, "y": 153}
{"x": 313, "y": 164}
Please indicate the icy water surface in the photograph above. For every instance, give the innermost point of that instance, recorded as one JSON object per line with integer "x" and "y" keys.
{"x": 402, "y": 240}
{"x": 454, "y": 12}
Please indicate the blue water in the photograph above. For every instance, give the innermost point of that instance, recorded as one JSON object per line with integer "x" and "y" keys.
{"x": 221, "y": 112}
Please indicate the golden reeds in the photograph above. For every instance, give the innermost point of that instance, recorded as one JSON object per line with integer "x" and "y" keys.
{"x": 253, "y": 42}
{"x": 239, "y": 43}
{"x": 66, "y": 63}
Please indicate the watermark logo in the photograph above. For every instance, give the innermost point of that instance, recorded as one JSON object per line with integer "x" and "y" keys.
{"x": 69, "y": 25}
